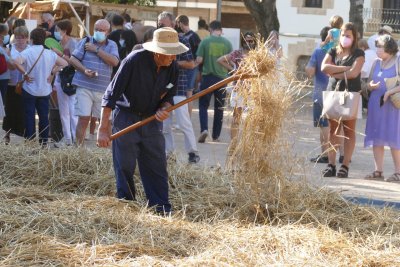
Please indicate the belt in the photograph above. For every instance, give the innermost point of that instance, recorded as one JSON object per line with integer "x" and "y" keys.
{"x": 139, "y": 114}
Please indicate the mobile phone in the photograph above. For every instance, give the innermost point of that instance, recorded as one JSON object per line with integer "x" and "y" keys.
{"x": 381, "y": 101}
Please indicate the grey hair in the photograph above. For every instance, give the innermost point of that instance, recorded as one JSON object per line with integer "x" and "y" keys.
{"x": 3, "y": 27}
{"x": 47, "y": 16}
{"x": 390, "y": 45}
{"x": 166, "y": 14}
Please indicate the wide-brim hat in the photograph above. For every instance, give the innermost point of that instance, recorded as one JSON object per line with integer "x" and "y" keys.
{"x": 165, "y": 41}
{"x": 387, "y": 29}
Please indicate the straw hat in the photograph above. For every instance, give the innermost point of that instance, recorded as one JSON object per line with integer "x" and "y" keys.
{"x": 166, "y": 42}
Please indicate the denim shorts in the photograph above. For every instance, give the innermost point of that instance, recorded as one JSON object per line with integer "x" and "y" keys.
{"x": 318, "y": 121}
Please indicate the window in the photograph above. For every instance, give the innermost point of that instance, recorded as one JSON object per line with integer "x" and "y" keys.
{"x": 313, "y": 3}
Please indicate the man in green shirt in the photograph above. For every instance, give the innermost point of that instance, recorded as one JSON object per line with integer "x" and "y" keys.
{"x": 210, "y": 49}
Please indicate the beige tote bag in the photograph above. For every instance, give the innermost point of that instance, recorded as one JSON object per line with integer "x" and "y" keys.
{"x": 340, "y": 105}
{"x": 393, "y": 82}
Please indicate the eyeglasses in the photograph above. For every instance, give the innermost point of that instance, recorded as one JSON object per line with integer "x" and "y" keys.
{"x": 379, "y": 46}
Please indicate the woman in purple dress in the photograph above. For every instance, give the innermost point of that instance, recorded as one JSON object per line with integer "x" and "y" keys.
{"x": 383, "y": 121}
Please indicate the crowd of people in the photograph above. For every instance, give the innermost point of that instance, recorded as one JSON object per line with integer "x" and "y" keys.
{"x": 343, "y": 62}
{"x": 126, "y": 73}
{"x": 122, "y": 74}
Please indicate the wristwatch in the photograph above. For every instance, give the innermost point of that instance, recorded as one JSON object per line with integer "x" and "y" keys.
{"x": 97, "y": 50}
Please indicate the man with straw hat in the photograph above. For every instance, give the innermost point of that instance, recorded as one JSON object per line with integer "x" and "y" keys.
{"x": 144, "y": 85}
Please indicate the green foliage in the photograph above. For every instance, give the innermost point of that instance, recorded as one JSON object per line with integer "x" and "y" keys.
{"x": 136, "y": 2}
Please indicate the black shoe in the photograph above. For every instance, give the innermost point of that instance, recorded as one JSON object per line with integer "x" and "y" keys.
{"x": 330, "y": 171}
{"x": 319, "y": 159}
{"x": 193, "y": 157}
{"x": 343, "y": 172}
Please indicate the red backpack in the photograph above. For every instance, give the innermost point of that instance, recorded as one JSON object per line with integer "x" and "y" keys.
{"x": 3, "y": 64}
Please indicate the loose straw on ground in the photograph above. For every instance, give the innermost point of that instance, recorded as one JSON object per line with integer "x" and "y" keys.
{"x": 57, "y": 207}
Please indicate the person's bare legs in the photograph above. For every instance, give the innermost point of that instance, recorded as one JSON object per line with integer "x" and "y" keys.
{"x": 341, "y": 147}
{"x": 324, "y": 139}
{"x": 396, "y": 159}
{"x": 334, "y": 140}
{"x": 349, "y": 141}
{"x": 92, "y": 128}
{"x": 81, "y": 129}
{"x": 378, "y": 157}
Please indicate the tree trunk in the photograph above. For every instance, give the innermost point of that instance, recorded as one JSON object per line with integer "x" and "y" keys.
{"x": 356, "y": 15}
{"x": 265, "y": 15}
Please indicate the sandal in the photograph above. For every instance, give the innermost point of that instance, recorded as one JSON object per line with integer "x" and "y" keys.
{"x": 376, "y": 175}
{"x": 394, "y": 178}
{"x": 330, "y": 171}
{"x": 343, "y": 172}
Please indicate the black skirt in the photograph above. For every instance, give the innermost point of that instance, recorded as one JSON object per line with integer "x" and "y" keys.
{"x": 13, "y": 122}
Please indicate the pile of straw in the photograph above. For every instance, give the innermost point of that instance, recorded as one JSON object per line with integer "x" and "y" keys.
{"x": 57, "y": 207}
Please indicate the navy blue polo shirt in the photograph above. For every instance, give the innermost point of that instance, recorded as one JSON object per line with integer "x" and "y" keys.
{"x": 138, "y": 88}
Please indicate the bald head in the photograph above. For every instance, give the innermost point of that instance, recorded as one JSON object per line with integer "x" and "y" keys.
{"x": 102, "y": 25}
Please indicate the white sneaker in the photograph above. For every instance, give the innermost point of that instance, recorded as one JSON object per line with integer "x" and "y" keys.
{"x": 203, "y": 136}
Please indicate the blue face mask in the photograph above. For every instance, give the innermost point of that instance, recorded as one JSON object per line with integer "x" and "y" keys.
{"x": 122, "y": 42}
{"x": 6, "y": 39}
{"x": 58, "y": 36}
{"x": 99, "y": 36}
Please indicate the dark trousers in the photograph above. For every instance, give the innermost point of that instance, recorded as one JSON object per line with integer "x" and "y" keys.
{"x": 147, "y": 146}
{"x": 3, "y": 90}
{"x": 204, "y": 103}
{"x": 41, "y": 105}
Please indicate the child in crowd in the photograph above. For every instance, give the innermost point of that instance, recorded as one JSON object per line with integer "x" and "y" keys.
{"x": 332, "y": 39}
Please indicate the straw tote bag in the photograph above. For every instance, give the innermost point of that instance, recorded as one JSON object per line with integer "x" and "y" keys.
{"x": 18, "y": 86}
{"x": 340, "y": 105}
{"x": 393, "y": 82}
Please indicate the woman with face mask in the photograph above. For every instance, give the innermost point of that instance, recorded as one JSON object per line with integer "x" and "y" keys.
{"x": 383, "y": 121}
{"x": 14, "y": 120}
{"x": 65, "y": 102}
{"x": 344, "y": 60}
{"x": 127, "y": 42}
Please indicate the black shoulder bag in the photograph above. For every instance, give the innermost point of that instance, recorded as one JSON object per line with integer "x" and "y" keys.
{"x": 67, "y": 75}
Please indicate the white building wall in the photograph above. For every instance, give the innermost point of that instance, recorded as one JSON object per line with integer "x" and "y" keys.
{"x": 292, "y": 22}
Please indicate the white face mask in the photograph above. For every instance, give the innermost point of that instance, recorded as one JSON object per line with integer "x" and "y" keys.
{"x": 6, "y": 39}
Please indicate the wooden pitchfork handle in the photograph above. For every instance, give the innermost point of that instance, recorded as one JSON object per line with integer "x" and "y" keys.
{"x": 187, "y": 100}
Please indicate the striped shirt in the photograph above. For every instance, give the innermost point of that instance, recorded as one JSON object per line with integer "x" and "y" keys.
{"x": 93, "y": 62}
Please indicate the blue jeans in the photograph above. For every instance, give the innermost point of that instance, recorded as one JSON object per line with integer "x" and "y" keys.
{"x": 147, "y": 146}
{"x": 204, "y": 103}
{"x": 41, "y": 105}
